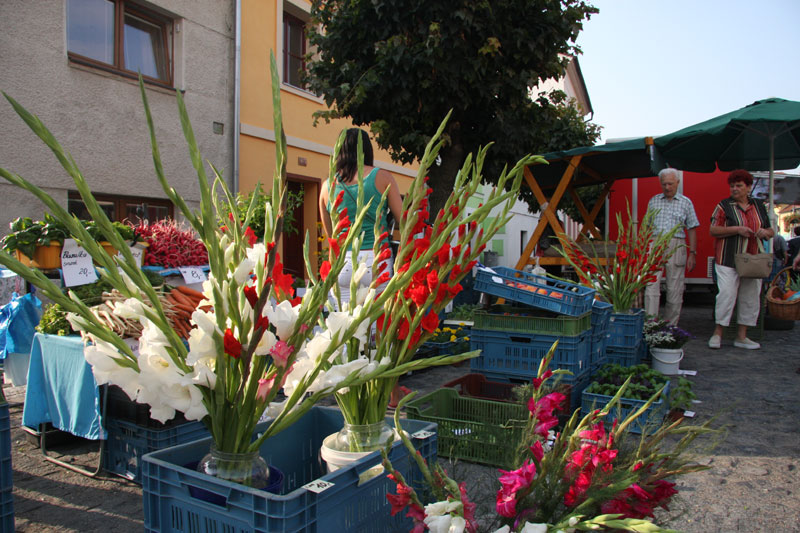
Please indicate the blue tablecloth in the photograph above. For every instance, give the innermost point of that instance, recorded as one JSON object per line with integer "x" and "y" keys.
{"x": 61, "y": 388}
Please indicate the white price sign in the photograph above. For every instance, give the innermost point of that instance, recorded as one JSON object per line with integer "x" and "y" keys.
{"x": 192, "y": 275}
{"x": 422, "y": 434}
{"x": 76, "y": 265}
{"x": 137, "y": 252}
{"x": 318, "y": 486}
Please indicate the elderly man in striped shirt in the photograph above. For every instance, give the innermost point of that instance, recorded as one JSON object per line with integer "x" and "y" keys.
{"x": 673, "y": 209}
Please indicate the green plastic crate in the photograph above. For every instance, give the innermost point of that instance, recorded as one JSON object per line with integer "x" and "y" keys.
{"x": 478, "y": 431}
{"x": 558, "y": 325}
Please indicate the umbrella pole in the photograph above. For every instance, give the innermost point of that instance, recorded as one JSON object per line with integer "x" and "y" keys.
{"x": 772, "y": 221}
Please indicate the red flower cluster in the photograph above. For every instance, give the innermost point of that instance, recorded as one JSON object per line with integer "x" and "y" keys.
{"x": 402, "y": 499}
{"x": 595, "y": 455}
{"x": 639, "y": 500}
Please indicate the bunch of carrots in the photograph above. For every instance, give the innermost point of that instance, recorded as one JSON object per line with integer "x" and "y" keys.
{"x": 184, "y": 302}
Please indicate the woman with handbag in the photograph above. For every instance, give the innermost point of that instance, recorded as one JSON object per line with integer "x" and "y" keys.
{"x": 739, "y": 224}
{"x": 376, "y": 181}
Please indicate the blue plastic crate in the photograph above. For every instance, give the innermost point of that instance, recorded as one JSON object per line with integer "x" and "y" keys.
{"x": 601, "y": 315}
{"x": 652, "y": 417}
{"x": 624, "y": 355}
{"x": 572, "y": 389}
{"x": 128, "y": 442}
{"x": 6, "y": 472}
{"x": 598, "y": 354}
{"x": 626, "y": 329}
{"x": 538, "y": 291}
{"x": 347, "y": 505}
{"x": 520, "y": 353}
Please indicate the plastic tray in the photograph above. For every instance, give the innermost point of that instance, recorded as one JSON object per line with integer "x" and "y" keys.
{"x": 474, "y": 430}
{"x": 521, "y": 353}
{"x": 626, "y": 329}
{"x": 128, "y": 442}
{"x": 558, "y": 325}
{"x": 6, "y": 472}
{"x": 538, "y": 291}
{"x": 624, "y": 355}
{"x": 477, "y": 386}
{"x": 347, "y": 504}
{"x": 652, "y": 417}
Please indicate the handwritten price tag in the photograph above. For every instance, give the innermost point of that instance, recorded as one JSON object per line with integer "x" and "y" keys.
{"x": 318, "y": 486}
{"x": 76, "y": 265}
{"x": 192, "y": 275}
{"x": 422, "y": 434}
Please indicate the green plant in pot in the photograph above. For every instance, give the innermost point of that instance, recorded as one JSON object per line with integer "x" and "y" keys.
{"x": 681, "y": 396}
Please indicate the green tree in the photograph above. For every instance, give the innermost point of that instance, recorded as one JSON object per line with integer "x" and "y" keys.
{"x": 401, "y": 65}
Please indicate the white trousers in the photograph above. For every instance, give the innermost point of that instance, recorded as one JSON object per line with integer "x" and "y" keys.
{"x": 346, "y": 274}
{"x": 675, "y": 281}
{"x": 744, "y": 293}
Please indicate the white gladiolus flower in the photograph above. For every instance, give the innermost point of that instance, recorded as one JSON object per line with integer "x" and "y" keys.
{"x": 317, "y": 346}
{"x": 440, "y": 523}
{"x": 441, "y": 508}
{"x": 283, "y": 316}
{"x": 573, "y": 521}
{"x": 242, "y": 272}
{"x": 504, "y": 529}
{"x": 338, "y": 322}
{"x": 130, "y": 308}
{"x": 457, "y": 524}
{"x": 361, "y": 294}
{"x": 257, "y": 252}
{"x": 206, "y": 322}
{"x": 201, "y": 345}
{"x": 336, "y": 374}
{"x": 359, "y": 273}
{"x": 266, "y": 343}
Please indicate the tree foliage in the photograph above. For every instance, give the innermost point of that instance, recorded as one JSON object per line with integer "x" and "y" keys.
{"x": 401, "y": 65}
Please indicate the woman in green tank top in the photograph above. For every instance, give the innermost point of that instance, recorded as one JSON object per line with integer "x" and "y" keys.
{"x": 376, "y": 181}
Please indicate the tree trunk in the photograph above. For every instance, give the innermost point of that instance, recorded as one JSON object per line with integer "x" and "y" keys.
{"x": 443, "y": 176}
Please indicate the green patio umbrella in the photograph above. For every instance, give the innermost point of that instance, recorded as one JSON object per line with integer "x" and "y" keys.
{"x": 764, "y": 135}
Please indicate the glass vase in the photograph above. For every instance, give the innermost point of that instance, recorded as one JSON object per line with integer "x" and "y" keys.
{"x": 363, "y": 437}
{"x": 247, "y": 468}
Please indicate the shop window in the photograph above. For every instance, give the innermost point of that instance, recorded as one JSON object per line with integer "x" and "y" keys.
{"x": 123, "y": 208}
{"x": 122, "y": 37}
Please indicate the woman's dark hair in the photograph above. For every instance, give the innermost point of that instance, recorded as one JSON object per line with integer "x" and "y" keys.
{"x": 740, "y": 175}
{"x": 347, "y": 161}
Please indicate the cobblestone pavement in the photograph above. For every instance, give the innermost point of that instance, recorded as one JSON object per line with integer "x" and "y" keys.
{"x": 754, "y": 484}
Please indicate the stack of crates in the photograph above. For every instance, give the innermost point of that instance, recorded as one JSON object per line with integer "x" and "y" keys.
{"x": 512, "y": 345}
{"x": 625, "y": 345}
{"x": 601, "y": 319}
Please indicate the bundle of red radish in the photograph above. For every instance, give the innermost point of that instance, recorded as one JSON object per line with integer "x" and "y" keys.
{"x": 171, "y": 245}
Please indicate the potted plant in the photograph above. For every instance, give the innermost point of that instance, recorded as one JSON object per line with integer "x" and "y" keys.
{"x": 666, "y": 343}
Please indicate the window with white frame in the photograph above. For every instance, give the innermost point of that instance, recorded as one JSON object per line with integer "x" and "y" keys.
{"x": 121, "y": 36}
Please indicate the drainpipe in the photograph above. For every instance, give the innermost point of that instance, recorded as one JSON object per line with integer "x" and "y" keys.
{"x": 237, "y": 71}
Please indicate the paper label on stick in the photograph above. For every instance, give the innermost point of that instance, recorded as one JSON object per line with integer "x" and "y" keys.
{"x": 192, "y": 275}
{"x": 137, "y": 252}
{"x": 76, "y": 265}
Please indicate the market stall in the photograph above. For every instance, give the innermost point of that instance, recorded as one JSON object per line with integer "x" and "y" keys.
{"x": 570, "y": 169}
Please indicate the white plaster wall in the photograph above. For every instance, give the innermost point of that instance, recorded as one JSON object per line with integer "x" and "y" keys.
{"x": 99, "y": 117}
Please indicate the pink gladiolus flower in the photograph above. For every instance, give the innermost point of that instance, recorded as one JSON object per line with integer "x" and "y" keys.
{"x": 264, "y": 387}
{"x": 280, "y": 353}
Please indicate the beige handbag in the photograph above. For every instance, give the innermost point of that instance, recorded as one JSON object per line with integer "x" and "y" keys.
{"x": 754, "y": 265}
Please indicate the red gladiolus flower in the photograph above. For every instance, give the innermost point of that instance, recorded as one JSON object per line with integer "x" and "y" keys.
{"x": 251, "y": 294}
{"x": 383, "y": 278}
{"x": 334, "y": 245}
{"x": 250, "y": 235}
{"x": 339, "y": 198}
{"x": 344, "y": 222}
{"x": 232, "y": 346}
{"x": 443, "y": 255}
{"x": 430, "y": 322}
{"x": 262, "y": 323}
{"x": 402, "y": 331}
{"x": 384, "y": 255}
{"x": 537, "y": 382}
{"x": 538, "y": 451}
{"x": 282, "y": 282}
{"x": 230, "y": 216}
{"x": 325, "y": 269}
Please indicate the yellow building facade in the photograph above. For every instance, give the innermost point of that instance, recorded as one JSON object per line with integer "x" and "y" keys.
{"x": 277, "y": 25}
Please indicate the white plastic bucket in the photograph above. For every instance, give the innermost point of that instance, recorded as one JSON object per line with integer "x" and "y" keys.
{"x": 336, "y": 459}
{"x": 667, "y": 360}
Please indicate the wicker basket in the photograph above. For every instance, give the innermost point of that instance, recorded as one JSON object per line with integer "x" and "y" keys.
{"x": 779, "y": 308}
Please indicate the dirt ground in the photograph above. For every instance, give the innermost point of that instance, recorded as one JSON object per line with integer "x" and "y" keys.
{"x": 754, "y": 483}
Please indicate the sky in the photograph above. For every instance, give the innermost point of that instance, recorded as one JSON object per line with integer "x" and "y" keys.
{"x": 653, "y": 67}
